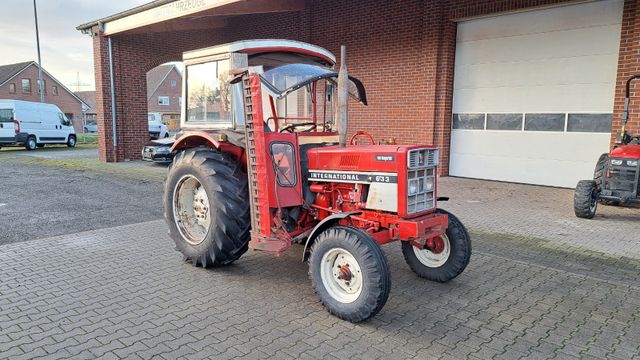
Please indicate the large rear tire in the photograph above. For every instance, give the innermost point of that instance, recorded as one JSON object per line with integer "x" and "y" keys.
{"x": 349, "y": 272}
{"x": 206, "y": 206}
{"x": 447, "y": 264}
{"x": 585, "y": 199}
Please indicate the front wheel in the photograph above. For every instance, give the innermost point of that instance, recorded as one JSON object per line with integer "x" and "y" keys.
{"x": 452, "y": 257}
{"x": 71, "y": 142}
{"x": 585, "y": 199}
{"x": 349, "y": 272}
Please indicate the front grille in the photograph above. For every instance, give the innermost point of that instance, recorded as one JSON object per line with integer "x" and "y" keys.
{"x": 421, "y": 180}
{"x": 622, "y": 176}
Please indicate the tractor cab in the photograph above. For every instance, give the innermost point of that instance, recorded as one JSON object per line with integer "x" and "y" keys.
{"x": 264, "y": 163}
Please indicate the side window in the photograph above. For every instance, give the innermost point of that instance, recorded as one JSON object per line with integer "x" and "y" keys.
{"x": 174, "y": 83}
{"x": 64, "y": 120}
{"x": 163, "y": 100}
{"x": 12, "y": 88}
{"x": 6, "y": 115}
{"x": 26, "y": 86}
{"x": 284, "y": 164}
{"x": 54, "y": 90}
{"x": 208, "y": 93}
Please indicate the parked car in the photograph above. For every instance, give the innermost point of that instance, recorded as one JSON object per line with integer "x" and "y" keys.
{"x": 157, "y": 130}
{"x": 35, "y": 124}
{"x": 158, "y": 151}
{"x": 90, "y": 128}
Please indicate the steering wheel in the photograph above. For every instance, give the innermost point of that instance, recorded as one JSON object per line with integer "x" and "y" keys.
{"x": 361, "y": 133}
{"x": 292, "y": 127}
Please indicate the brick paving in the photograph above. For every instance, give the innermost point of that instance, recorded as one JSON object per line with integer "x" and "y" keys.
{"x": 123, "y": 292}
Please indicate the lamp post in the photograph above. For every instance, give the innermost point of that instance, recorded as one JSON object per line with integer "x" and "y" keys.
{"x": 40, "y": 83}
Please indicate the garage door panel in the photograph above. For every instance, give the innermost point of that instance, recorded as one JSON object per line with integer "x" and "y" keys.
{"x": 584, "y": 98}
{"x": 563, "y": 44}
{"x": 559, "y": 159}
{"x": 535, "y": 73}
{"x": 597, "y": 13}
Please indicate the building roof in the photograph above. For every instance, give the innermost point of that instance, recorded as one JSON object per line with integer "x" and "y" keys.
{"x": 156, "y": 76}
{"x": 9, "y": 71}
{"x": 89, "y": 98}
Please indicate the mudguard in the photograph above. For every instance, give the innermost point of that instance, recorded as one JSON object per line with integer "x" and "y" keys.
{"x": 322, "y": 226}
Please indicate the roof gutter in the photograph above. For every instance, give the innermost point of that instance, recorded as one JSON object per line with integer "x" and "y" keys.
{"x": 86, "y": 27}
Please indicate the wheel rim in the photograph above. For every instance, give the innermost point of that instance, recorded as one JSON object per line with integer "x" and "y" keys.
{"x": 32, "y": 143}
{"x": 191, "y": 209}
{"x": 72, "y": 141}
{"x": 341, "y": 275}
{"x": 433, "y": 260}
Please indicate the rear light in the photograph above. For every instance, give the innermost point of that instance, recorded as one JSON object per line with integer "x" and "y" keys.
{"x": 17, "y": 125}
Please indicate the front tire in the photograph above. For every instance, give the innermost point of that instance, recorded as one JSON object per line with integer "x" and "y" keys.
{"x": 585, "y": 199}
{"x": 206, "y": 206}
{"x": 71, "y": 141}
{"x": 447, "y": 264}
{"x": 350, "y": 274}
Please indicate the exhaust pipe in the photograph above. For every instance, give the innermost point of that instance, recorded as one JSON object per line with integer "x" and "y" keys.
{"x": 343, "y": 97}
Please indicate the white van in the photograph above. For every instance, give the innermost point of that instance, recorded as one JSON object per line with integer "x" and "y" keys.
{"x": 35, "y": 124}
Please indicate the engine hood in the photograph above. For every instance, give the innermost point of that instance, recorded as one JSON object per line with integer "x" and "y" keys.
{"x": 631, "y": 151}
{"x": 382, "y": 158}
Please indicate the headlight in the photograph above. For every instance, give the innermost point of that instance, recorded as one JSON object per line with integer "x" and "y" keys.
{"x": 428, "y": 185}
{"x": 632, "y": 162}
{"x": 616, "y": 162}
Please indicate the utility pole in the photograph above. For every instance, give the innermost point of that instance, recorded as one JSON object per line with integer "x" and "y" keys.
{"x": 40, "y": 84}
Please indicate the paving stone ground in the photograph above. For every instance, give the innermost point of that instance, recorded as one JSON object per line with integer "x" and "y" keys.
{"x": 536, "y": 287}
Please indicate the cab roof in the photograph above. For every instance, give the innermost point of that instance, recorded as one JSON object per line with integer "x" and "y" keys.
{"x": 259, "y": 46}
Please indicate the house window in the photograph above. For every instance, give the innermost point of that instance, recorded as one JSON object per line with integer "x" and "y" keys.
{"x": 26, "y": 86}
{"x": 163, "y": 100}
{"x": 44, "y": 86}
{"x": 174, "y": 83}
{"x": 12, "y": 88}
{"x": 54, "y": 90}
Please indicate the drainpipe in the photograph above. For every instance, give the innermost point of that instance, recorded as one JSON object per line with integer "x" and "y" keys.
{"x": 113, "y": 100}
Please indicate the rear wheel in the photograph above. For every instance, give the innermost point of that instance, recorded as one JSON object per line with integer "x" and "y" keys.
{"x": 71, "y": 141}
{"x": 585, "y": 199}
{"x": 206, "y": 206}
{"x": 349, "y": 272}
{"x": 452, "y": 257}
{"x": 31, "y": 143}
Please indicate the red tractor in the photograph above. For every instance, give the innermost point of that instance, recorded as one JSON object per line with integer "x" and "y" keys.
{"x": 616, "y": 179}
{"x": 264, "y": 164}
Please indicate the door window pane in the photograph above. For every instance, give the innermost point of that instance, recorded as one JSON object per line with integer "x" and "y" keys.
{"x": 504, "y": 121}
{"x": 544, "y": 122}
{"x": 6, "y": 115}
{"x": 284, "y": 163}
{"x": 468, "y": 121}
{"x": 595, "y": 123}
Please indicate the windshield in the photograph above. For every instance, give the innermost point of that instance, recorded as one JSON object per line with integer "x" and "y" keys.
{"x": 285, "y": 79}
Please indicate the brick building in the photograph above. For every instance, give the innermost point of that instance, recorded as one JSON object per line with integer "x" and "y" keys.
{"x": 517, "y": 90}
{"x": 164, "y": 94}
{"x": 20, "y": 82}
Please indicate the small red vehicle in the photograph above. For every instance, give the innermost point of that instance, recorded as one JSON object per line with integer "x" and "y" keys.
{"x": 264, "y": 163}
{"x": 616, "y": 179}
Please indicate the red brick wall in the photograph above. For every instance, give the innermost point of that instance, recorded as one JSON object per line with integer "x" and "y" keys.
{"x": 165, "y": 89}
{"x": 404, "y": 52}
{"x": 64, "y": 100}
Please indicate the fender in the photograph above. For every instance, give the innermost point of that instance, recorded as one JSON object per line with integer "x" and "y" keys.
{"x": 322, "y": 226}
{"x": 193, "y": 139}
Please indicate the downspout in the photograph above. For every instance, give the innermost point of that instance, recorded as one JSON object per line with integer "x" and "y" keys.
{"x": 113, "y": 100}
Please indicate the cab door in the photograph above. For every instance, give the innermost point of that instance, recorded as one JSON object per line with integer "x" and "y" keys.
{"x": 283, "y": 170}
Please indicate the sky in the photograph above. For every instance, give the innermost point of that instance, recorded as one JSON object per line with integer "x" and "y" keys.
{"x": 65, "y": 51}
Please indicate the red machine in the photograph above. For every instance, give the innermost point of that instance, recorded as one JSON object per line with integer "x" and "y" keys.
{"x": 616, "y": 179}
{"x": 264, "y": 164}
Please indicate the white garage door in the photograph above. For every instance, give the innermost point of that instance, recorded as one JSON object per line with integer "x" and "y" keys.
{"x": 533, "y": 93}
